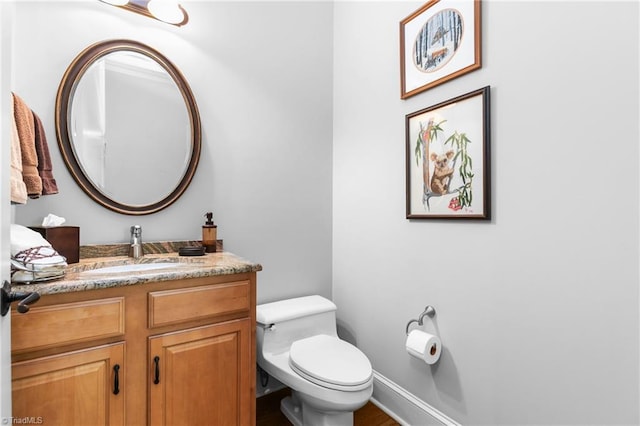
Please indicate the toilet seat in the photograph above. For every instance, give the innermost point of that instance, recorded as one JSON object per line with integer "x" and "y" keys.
{"x": 330, "y": 362}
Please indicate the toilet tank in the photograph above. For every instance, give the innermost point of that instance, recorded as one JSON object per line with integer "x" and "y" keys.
{"x": 281, "y": 323}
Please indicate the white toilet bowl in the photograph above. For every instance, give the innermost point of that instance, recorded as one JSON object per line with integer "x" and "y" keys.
{"x": 297, "y": 343}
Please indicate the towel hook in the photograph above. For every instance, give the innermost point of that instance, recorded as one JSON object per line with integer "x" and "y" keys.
{"x": 429, "y": 311}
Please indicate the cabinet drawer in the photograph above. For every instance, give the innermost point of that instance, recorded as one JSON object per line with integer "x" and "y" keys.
{"x": 69, "y": 323}
{"x": 181, "y": 305}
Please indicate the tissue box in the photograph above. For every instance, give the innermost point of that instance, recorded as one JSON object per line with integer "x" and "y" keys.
{"x": 64, "y": 239}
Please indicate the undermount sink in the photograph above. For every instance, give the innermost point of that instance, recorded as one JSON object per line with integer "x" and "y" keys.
{"x": 135, "y": 267}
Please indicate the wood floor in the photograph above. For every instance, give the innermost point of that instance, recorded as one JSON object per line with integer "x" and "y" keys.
{"x": 268, "y": 413}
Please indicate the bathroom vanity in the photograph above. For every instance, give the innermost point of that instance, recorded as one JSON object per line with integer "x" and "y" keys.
{"x": 115, "y": 343}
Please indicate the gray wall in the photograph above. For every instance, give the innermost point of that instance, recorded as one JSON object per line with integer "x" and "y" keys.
{"x": 261, "y": 74}
{"x": 538, "y": 308}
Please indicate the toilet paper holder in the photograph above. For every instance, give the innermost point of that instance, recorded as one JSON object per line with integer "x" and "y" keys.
{"x": 429, "y": 311}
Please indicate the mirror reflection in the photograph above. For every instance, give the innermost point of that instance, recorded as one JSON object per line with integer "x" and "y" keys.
{"x": 128, "y": 127}
{"x": 123, "y": 109}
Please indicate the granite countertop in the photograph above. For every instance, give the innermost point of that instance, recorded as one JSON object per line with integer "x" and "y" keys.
{"x": 80, "y": 276}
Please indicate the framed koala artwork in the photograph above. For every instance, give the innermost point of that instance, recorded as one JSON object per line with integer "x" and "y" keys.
{"x": 447, "y": 159}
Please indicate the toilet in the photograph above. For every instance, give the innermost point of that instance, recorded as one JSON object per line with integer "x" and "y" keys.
{"x": 297, "y": 343}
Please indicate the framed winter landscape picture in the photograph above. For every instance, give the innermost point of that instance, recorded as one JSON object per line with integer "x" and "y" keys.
{"x": 447, "y": 149}
{"x": 439, "y": 42}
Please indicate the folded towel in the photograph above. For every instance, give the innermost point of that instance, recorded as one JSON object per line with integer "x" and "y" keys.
{"x": 37, "y": 264}
{"x": 18, "y": 188}
{"x": 23, "y": 238}
{"x": 32, "y": 257}
{"x": 26, "y": 133}
{"x": 42, "y": 258}
{"x": 49, "y": 186}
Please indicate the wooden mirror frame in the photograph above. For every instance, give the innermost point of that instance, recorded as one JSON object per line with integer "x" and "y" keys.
{"x": 70, "y": 80}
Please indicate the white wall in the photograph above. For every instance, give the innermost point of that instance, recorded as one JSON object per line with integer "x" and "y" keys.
{"x": 538, "y": 308}
{"x": 261, "y": 75}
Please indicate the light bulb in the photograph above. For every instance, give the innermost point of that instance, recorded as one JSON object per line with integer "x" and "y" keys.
{"x": 166, "y": 10}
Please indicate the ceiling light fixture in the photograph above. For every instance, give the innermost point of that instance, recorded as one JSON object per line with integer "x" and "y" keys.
{"x": 168, "y": 11}
{"x": 116, "y": 2}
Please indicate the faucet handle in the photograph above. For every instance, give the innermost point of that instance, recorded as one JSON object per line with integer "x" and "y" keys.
{"x": 135, "y": 250}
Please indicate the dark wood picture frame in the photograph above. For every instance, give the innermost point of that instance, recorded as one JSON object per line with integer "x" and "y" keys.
{"x": 448, "y": 159}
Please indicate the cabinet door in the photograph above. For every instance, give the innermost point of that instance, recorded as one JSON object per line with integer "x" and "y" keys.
{"x": 202, "y": 376}
{"x": 75, "y": 388}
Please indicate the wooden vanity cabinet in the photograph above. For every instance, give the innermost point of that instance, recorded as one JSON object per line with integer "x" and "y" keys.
{"x": 183, "y": 352}
{"x": 75, "y": 388}
{"x": 200, "y": 375}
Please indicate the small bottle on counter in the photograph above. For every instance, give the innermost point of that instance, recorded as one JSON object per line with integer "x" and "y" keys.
{"x": 209, "y": 234}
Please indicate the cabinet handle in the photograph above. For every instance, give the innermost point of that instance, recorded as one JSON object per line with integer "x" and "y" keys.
{"x": 116, "y": 380}
{"x": 156, "y": 362}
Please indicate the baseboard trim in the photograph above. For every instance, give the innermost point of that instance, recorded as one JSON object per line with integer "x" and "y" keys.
{"x": 403, "y": 406}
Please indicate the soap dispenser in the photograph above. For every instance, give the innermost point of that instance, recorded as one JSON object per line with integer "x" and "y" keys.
{"x": 209, "y": 234}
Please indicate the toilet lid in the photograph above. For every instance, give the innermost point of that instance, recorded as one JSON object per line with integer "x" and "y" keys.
{"x": 330, "y": 362}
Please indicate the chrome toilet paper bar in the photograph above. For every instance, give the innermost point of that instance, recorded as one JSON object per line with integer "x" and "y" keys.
{"x": 429, "y": 311}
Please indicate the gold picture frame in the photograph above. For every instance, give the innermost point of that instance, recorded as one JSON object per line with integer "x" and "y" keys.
{"x": 439, "y": 42}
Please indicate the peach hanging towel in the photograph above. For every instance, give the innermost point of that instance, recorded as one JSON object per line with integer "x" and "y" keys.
{"x": 18, "y": 188}
{"x": 26, "y": 134}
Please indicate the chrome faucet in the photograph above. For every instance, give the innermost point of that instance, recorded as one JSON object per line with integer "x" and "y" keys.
{"x": 135, "y": 250}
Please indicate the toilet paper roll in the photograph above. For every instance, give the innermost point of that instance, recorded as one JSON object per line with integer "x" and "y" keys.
{"x": 424, "y": 346}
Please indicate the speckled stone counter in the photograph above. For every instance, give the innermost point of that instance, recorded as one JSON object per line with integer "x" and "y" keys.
{"x": 82, "y": 276}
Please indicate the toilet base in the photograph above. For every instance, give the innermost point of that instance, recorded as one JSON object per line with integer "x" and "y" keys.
{"x": 291, "y": 411}
{"x": 301, "y": 414}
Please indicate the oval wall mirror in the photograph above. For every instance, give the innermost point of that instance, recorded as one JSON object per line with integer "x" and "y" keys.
{"x": 128, "y": 127}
